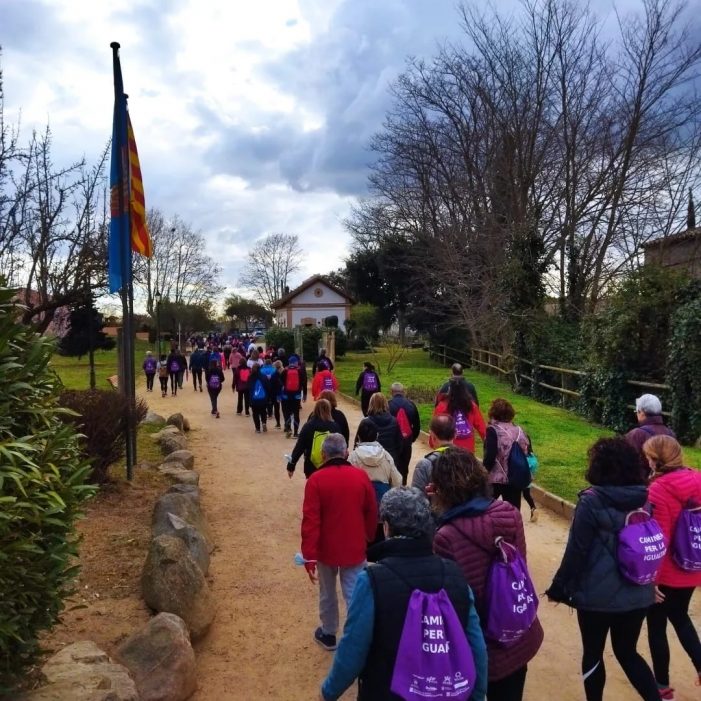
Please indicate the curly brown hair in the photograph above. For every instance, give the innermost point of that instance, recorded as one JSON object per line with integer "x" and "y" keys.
{"x": 501, "y": 410}
{"x": 614, "y": 462}
{"x": 457, "y": 477}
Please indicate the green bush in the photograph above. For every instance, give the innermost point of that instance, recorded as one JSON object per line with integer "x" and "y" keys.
{"x": 100, "y": 416}
{"x": 42, "y": 489}
{"x": 341, "y": 343}
{"x": 280, "y": 338}
{"x": 310, "y": 343}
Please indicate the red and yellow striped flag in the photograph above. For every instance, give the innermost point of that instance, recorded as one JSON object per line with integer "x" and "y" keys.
{"x": 140, "y": 238}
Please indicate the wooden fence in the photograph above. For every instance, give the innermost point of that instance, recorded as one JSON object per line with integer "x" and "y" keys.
{"x": 507, "y": 364}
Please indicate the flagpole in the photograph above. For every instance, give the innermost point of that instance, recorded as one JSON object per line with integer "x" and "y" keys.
{"x": 127, "y": 384}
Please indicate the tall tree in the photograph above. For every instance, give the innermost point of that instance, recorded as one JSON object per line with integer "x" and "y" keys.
{"x": 270, "y": 264}
{"x": 245, "y": 313}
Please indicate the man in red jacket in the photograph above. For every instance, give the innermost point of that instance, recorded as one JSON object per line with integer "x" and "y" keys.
{"x": 339, "y": 518}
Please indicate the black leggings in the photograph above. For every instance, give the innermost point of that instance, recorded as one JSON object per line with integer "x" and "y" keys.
{"x": 508, "y": 493}
{"x": 196, "y": 377}
{"x": 528, "y": 498}
{"x": 594, "y": 627}
{"x": 274, "y": 408}
{"x": 213, "y": 396}
{"x": 164, "y": 384}
{"x": 260, "y": 415}
{"x": 243, "y": 399}
{"x": 675, "y": 609}
{"x": 173, "y": 382}
{"x": 509, "y": 688}
{"x": 290, "y": 412}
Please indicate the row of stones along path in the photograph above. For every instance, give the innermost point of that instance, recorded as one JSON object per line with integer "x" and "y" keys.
{"x": 260, "y": 645}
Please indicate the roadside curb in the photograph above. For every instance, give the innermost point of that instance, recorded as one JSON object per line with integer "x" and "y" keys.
{"x": 552, "y": 502}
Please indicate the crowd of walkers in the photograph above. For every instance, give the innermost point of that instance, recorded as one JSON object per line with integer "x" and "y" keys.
{"x": 452, "y": 546}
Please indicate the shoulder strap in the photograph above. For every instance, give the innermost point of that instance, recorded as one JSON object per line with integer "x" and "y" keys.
{"x": 644, "y": 429}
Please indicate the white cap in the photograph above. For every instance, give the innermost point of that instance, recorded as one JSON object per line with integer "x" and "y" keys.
{"x": 649, "y": 404}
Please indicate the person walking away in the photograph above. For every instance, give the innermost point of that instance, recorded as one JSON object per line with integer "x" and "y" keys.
{"x": 258, "y": 394}
{"x": 388, "y": 433}
{"x": 337, "y": 415}
{"x": 269, "y": 370}
{"x": 227, "y": 350}
{"x": 235, "y": 358}
{"x": 214, "y": 377}
{"x": 469, "y": 522}
{"x": 294, "y": 390}
{"x": 254, "y": 357}
{"x": 173, "y": 371}
{"x": 150, "y": 365}
{"x": 501, "y": 434}
{"x": 163, "y": 374}
{"x": 367, "y": 384}
{"x": 240, "y": 385}
{"x": 373, "y": 630}
{"x": 466, "y": 414}
{"x": 589, "y": 578}
{"x": 311, "y": 438}
{"x": 648, "y": 411}
{"x": 456, "y": 376}
{"x": 282, "y": 357}
{"x": 441, "y": 433}
{"x": 198, "y": 364}
{"x": 370, "y": 456}
{"x": 407, "y": 415}
{"x": 276, "y": 389}
{"x": 323, "y": 381}
{"x": 323, "y": 362}
{"x": 339, "y": 517}
{"x": 182, "y": 366}
{"x": 673, "y": 488}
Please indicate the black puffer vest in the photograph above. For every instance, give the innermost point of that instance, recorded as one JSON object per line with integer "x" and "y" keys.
{"x": 413, "y": 566}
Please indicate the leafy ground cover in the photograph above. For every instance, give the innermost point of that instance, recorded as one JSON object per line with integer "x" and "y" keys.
{"x": 560, "y": 437}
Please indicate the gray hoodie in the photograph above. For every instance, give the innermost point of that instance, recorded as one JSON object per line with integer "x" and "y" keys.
{"x": 377, "y": 463}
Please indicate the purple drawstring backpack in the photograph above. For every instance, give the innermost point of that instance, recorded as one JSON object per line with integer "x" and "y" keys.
{"x": 686, "y": 544}
{"x": 511, "y": 603}
{"x": 641, "y": 547}
{"x": 434, "y": 659}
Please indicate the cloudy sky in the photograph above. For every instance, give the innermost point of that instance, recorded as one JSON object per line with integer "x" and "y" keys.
{"x": 250, "y": 117}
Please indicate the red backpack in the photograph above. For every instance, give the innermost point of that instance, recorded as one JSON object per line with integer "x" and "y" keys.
{"x": 292, "y": 380}
{"x": 404, "y": 423}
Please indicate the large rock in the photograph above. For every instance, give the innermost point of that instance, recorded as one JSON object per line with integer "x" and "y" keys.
{"x": 176, "y": 472}
{"x": 185, "y": 457}
{"x": 153, "y": 419}
{"x": 83, "y": 672}
{"x": 183, "y": 506}
{"x": 190, "y": 490}
{"x": 196, "y": 543}
{"x": 161, "y": 660}
{"x": 167, "y": 431}
{"x": 170, "y": 443}
{"x": 178, "y": 420}
{"x": 173, "y": 582}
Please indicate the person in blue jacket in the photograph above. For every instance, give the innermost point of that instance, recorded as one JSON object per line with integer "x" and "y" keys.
{"x": 368, "y": 651}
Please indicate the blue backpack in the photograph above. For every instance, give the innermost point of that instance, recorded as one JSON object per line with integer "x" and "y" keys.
{"x": 258, "y": 391}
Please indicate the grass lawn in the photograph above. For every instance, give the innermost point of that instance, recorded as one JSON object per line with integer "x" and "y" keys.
{"x": 75, "y": 372}
{"x": 560, "y": 438}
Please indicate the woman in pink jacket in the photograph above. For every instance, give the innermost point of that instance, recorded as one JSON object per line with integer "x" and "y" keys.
{"x": 672, "y": 487}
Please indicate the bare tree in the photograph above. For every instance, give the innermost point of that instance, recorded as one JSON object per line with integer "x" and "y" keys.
{"x": 270, "y": 264}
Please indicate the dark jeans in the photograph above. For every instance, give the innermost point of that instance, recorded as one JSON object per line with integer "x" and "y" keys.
{"x": 404, "y": 459}
{"x": 365, "y": 401}
{"x": 290, "y": 411}
{"x": 274, "y": 408}
{"x": 213, "y": 396}
{"x": 508, "y": 493}
{"x": 164, "y": 384}
{"x": 260, "y": 415}
{"x": 174, "y": 382}
{"x": 243, "y": 399}
{"x": 594, "y": 627}
{"x": 197, "y": 377}
{"x": 509, "y": 688}
{"x": 675, "y": 609}
{"x": 149, "y": 381}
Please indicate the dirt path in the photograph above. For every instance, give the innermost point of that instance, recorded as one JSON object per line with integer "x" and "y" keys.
{"x": 260, "y": 646}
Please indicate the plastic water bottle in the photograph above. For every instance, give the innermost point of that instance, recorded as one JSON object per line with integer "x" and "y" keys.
{"x": 300, "y": 561}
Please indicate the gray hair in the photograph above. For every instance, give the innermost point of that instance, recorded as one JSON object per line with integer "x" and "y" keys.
{"x": 397, "y": 388}
{"x": 407, "y": 512}
{"x": 456, "y": 369}
{"x": 649, "y": 404}
{"x": 334, "y": 446}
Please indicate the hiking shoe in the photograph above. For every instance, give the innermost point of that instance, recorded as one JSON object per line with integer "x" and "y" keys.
{"x": 257, "y": 430}
{"x": 667, "y": 693}
{"x": 534, "y": 515}
{"x": 265, "y": 428}
{"x": 278, "y": 427}
{"x": 288, "y": 433}
{"x": 217, "y": 414}
{"x": 328, "y": 642}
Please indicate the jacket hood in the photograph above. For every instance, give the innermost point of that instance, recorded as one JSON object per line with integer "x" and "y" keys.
{"x": 625, "y": 498}
{"x": 370, "y": 454}
{"x": 474, "y": 507}
{"x": 383, "y": 419}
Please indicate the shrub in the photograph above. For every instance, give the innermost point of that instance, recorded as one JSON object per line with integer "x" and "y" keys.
{"x": 341, "y": 343}
{"x": 100, "y": 416}
{"x": 310, "y": 343}
{"x": 43, "y": 475}
{"x": 421, "y": 394}
{"x": 281, "y": 338}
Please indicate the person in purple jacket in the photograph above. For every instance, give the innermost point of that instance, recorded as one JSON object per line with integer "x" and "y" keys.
{"x": 648, "y": 410}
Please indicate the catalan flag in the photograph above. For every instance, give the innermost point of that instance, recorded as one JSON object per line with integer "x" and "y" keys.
{"x": 128, "y": 230}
